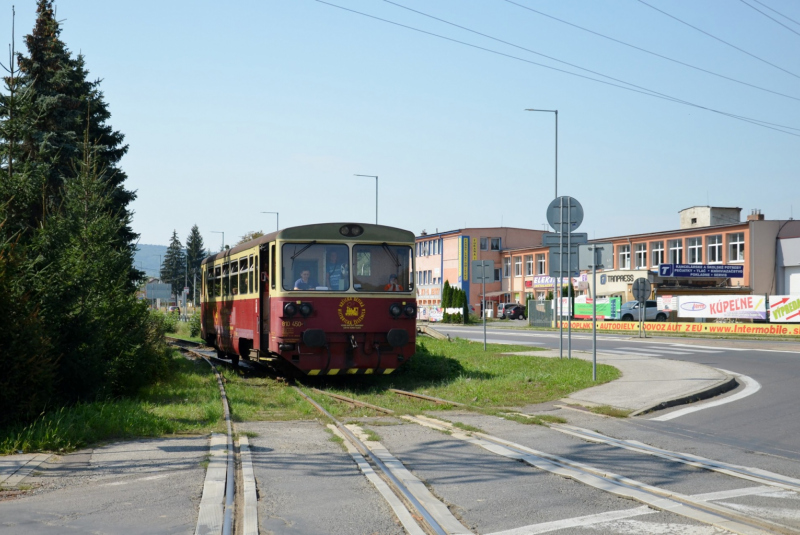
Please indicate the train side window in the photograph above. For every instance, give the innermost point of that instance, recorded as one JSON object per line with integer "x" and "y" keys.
{"x": 226, "y": 289}
{"x": 208, "y": 289}
{"x": 252, "y": 270}
{"x": 235, "y": 277}
{"x": 218, "y": 281}
{"x": 273, "y": 274}
{"x": 243, "y": 275}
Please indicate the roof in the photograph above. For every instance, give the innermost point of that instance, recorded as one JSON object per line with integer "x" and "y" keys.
{"x": 321, "y": 231}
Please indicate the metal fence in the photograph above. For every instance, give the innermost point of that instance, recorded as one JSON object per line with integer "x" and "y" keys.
{"x": 540, "y": 313}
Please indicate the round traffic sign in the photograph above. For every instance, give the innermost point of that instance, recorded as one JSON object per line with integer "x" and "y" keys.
{"x": 641, "y": 289}
{"x": 565, "y": 212}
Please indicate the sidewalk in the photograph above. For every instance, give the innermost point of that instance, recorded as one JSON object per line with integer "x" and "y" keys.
{"x": 647, "y": 383}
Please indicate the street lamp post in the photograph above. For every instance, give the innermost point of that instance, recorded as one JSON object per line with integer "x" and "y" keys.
{"x": 223, "y": 238}
{"x": 277, "y": 220}
{"x": 376, "y": 194}
{"x": 556, "y": 289}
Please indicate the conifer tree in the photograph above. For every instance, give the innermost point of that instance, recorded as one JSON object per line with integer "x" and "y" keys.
{"x": 67, "y": 115}
{"x": 173, "y": 268}
{"x": 195, "y": 253}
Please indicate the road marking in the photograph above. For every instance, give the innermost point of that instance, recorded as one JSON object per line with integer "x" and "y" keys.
{"x": 715, "y": 348}
{"x": 655, "y": 497}
{"x": 610, "y": 516}
{"x": 623, "y": 351}
{"x": 751, "y": 386}
{"x": 580, "y": 521}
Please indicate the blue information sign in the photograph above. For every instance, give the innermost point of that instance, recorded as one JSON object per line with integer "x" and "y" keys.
{"x": 720, "y": 271}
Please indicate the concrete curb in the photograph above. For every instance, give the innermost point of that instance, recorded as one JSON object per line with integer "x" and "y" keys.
{"x": 725, "y": 385}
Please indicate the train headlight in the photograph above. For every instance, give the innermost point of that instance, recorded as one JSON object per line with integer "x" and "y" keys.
{"x": 395, "y": 310}
{"x": 289, "y": 309}
{"x": 351, "y": 230}
{"x": 410, "y": 310}
{"x": 306, "y": 309}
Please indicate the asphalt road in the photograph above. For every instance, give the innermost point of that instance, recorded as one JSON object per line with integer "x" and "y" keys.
{"x": 765, "y": 422}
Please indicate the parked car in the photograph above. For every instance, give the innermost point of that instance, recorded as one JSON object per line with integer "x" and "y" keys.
{"x": 630, "y": 311}
{"x": 511, "y": 311}
{"x": 173, "y": 310}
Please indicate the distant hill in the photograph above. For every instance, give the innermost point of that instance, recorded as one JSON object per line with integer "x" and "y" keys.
{"x": 147, "y": 258}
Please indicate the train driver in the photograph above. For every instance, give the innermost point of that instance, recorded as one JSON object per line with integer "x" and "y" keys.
{"x": 393, "y": 285}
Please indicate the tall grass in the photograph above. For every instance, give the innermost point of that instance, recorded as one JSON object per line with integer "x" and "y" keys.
{"x": 186, "y": 401}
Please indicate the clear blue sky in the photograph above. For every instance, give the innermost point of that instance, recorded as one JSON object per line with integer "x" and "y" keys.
{"x": 234, "y": 108}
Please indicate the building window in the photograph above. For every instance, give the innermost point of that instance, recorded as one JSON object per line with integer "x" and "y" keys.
{"x": 528, "y": 265}
{"x": 641, "y": 256}
{"x": 496, "y": 274}
{"x": 517, "y": 266}
{"x": 495, "y": 244}
{"x": 657, "y": 253}
{"x": 675, "y": 251}
{"x": 714, "y": 249}
{"x": 736, "y": 247}
{"x": 624, "y": 256}
{"x": 694, "y": 247}
{"x": 507, "y": 267}
{"x": 541, "y": 264}
{"x": 484, "y": 244}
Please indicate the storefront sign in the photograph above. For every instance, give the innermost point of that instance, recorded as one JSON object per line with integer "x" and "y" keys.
{"x": 543, "y": 282}
{"x": 711, "y": 328}
{"x": 722, "y": 306}
{"x": 719, "y": 271}
{"x": 784, "y": 308}
{"x": 667, "y": 303}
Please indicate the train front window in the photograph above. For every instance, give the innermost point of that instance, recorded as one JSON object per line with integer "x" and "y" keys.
{"x": 315, "y": 266}
{"x": 382, "y": 268}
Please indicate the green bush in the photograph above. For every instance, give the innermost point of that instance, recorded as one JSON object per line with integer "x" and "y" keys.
{"x": 167, "y": 322}
{"x": 194, "y": 324}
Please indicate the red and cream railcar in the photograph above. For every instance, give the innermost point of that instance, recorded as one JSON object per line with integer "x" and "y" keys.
{"x": 327, "y": 299}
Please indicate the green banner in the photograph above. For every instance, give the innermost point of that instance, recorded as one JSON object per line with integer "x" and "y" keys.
{"x": 607, "y": 308}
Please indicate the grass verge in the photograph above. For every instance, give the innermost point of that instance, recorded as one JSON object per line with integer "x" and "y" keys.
{"x": 607, "y": 410}
{"x": 461, "y": 371}
{"x": 185, "y": 401}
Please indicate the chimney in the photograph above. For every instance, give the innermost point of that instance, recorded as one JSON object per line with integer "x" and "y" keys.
{"x": 755, "y": 215}
{"x": 423, "y": 233}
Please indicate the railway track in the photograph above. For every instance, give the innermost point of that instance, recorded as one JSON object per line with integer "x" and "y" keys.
{"x": 420, "y": 512}
{"x": 699, "y": 509}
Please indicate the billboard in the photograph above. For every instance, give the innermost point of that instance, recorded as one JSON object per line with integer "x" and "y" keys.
{"x": 722, "y": 306}
{"x": 607, "y": 307}
{"x": 784, "y": 308}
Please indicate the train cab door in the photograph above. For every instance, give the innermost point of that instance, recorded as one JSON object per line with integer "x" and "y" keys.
{"x": 266, "y": 274}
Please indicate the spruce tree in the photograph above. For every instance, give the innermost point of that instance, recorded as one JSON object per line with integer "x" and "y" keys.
{"x": 66, "y": 117}
{"x": 173, "y": 268}
{"x": 195, "y": 253}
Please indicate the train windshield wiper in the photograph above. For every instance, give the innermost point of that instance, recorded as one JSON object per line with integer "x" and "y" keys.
{"x": 298, "y": 253}
{"x": 390, "y": 253}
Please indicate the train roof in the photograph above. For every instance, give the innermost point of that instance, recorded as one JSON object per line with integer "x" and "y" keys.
{"x": 322, "y": 231}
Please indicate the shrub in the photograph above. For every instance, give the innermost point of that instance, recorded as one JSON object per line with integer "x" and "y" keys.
{"x": 194, "y": 324}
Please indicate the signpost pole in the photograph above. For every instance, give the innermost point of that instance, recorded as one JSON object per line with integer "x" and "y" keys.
{"x": 569, "y": 277}
{"x": 594, "y": 312}
{"x": 560, "y": 280}
{"x": 484, "y": 307}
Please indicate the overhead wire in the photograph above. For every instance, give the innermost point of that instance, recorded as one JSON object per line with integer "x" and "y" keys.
{"x": 758, "y": 122}
{"x": 652, "y": 53}
{"x": 743, "y": 51}
{"x": 776, "y": 21}
{"x": 778, "y": 12}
